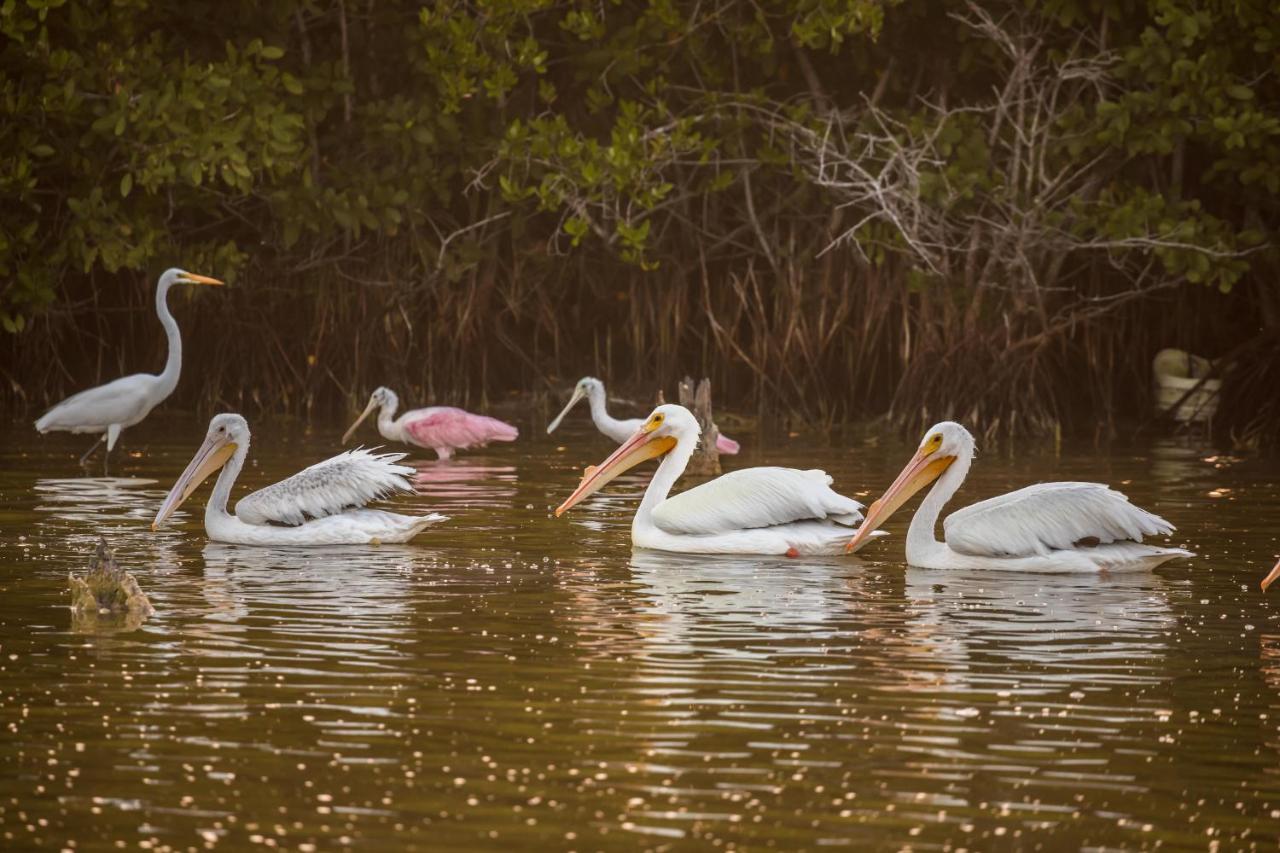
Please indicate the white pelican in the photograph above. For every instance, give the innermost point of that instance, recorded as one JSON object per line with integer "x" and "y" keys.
{"x": 1048, "y": 527}
{"x": 592, "y": 390}
{"x": 443, "y": 429}
{"x": 108, "y": 409}
{"x": 751, "y": 511}
{"x": 320, "y": 505}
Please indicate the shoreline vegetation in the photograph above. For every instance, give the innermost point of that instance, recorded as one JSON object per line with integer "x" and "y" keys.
{"x": 995, "y": 212}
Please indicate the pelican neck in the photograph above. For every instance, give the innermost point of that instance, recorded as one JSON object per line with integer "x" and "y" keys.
{"x": 921, "y": 538}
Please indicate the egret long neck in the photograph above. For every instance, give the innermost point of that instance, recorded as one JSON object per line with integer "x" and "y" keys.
{"x": 920, "y": 535}
{"x": 669, "y": 470}
{"x": 173, "y": 364}
{"x": 221, "y": 494}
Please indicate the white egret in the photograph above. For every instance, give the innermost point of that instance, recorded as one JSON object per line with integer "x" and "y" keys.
{"x": 751, "y": 511}
{"x": 108, "y": 409}
{"x": 320, "y": 505}
{"x": 1049, "y": 527}
{"x": 592, "y": 390}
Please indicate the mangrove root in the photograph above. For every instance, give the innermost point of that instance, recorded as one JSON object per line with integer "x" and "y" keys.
{"x": 706, "y": 459}
{"x": 108, "y": 590}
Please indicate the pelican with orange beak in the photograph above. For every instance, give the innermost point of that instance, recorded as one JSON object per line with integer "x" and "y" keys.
{"x": 781, "y": 511}
{"x": 320, "y": 505}
{"x": 1048, "y": 527}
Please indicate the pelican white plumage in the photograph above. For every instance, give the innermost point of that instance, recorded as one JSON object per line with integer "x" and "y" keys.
{"x": 443, "y": 429}
{"x": 1048, "y": 527}
{"x": 751, "y": 511}
{"x": 108, "y": 409}
{"x": 320, "y": 505}
{"x": 592, "y": 390}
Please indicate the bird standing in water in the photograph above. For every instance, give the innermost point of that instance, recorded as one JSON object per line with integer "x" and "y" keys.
{"x": 592, "y": 390}
{"x": 108, "y": 409}
{"x": 443, "y": 429}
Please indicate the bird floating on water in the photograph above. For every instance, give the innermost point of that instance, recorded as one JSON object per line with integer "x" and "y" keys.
{"x": 749, "y": 511}
{"x": 1048, "y": 527}
{"x": 108, "y": 409}
{"x": 443, "y": 429}
{"x": 592, "y": 390}
{"x": 320, "y": 505}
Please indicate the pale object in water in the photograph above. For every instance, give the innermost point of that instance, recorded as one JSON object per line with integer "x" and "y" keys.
{"x": 1179, "y": 374}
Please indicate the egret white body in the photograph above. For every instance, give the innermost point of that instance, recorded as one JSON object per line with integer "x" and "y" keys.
{"x": 782, "y": 511}
{"x": 110, "y": 408}
{"x": 320, "y": 505}
{"x": 443, "y": 429}
{"x": 1049, "y": 527}
{"x": 592, "y": 390}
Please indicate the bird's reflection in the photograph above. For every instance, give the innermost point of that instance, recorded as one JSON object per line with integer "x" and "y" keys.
{"x": 459, "y": 485}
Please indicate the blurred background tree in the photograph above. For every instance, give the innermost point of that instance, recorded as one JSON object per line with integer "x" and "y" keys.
{"x": 995, "y": 211}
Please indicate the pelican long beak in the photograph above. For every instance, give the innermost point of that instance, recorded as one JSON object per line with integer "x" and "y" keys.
{"x": 1270, "y": 579}
{"x": 641, "y": 446}
{"x": 578, "y": 394}
{"x": 192, "y": 278}
{"x": 346, "y": 436}
{"x": 923, "y": 469}
{"x": 211, "y": 456}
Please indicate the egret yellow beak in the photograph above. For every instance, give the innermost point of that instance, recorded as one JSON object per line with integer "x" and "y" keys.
{"x": 1270, "y": 578}
{"x": 641, "y": 446}
{"x": 211, "y": 456}
{"x": 192, "y": 278}
{"x": 923, "y": 469}
{"x": 346, "y": 436}
{"x": 578, "y": 394}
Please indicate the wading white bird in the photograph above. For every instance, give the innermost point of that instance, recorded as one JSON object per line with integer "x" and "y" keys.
{"x": 443, "y": 429}
{"x": 320, "y": 505}
{"x": 108, "y": 409}
{"x": 751, "y": 511}
{"x": 592, "y": 390}
{"x": 1049, "y": 527}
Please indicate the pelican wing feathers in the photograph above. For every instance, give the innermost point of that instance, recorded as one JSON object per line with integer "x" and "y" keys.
{"x": 754, "y": 498}
{"x": 1049, "y": 517}
{"x": 350, "y": 479}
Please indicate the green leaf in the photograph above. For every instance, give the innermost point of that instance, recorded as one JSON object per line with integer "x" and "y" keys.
{"x": 291, "y": 84}
{"x": 126, "y": 184}
{"x": 272, "y": 52}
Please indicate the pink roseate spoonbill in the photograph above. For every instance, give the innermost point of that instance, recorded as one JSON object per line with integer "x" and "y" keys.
{"x": 592, "y": 390}
{"x": 108, "y": 409}
{"x": 1048, "y": 527}
{"x": 320, "y": 505}
{"x": 750, "y": 511}
{"x": 443, "y": 429}
{"x": 1271, "y": 577}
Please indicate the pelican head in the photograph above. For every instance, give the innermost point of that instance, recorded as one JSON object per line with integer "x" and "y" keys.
{"x": 659, "y": 434}
{"x": 227, "y": 434}
{"x": 383, "y": 399}
{"x": 174, "y": 276}
{"x": 942, "y": 445}
{"x": 587, "y": 387}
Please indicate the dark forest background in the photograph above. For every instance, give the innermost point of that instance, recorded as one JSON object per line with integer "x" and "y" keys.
{"x": 991, "y": 211}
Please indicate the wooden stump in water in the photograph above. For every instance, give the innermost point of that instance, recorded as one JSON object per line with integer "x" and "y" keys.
{"x": 697, "y": 399}
{"x": 107, "y": 596}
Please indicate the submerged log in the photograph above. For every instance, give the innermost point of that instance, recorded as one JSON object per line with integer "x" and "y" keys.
{"x": 108, "y": 591}
{"x": 697, "y": 399}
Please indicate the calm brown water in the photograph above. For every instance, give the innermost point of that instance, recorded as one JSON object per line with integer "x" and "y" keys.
{"x": 518, "y": 681}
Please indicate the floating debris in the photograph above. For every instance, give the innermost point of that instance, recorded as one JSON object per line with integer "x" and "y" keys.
{"x": 107, "y": 592}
